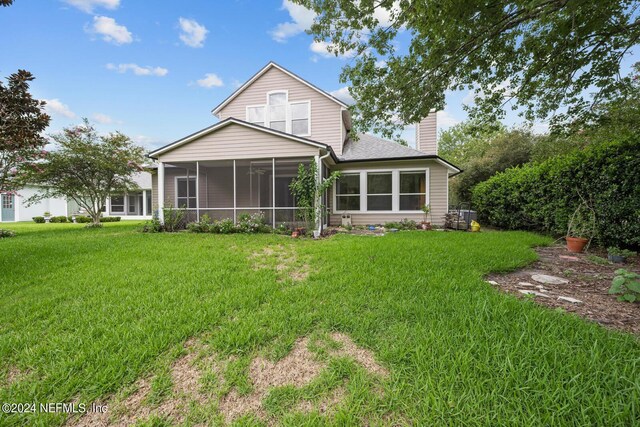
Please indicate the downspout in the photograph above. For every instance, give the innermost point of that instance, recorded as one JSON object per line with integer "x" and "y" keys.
{"x": 319, "y": 201}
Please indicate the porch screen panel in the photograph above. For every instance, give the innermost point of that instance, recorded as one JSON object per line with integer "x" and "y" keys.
{"x": 218, "y": 181}
{"x": 285, "y": 207}
{"x": 254, "y": 182}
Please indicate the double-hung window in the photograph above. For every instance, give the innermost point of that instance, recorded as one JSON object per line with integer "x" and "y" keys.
{"x": 413, "y": 190}
{"x": 379, "y": 191}
{"x": 348, "y": 192}
{"x": 300, "y": 118}
{"x": 117, "y": 204}
{"x": 186, "y": 192}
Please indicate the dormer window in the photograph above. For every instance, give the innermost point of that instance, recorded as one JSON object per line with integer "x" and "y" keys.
{"x": 281, "y": 115}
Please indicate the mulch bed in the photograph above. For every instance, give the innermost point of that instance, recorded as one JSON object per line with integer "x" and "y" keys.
{"x": 589, "y": 282}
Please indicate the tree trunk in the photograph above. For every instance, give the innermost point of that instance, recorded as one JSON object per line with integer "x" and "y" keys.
{"x": 95, "y": 217}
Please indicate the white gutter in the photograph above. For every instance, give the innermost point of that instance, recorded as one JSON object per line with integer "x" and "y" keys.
{"x": 319, "y": 202}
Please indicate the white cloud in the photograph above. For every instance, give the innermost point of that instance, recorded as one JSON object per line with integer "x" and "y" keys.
{"x": 57, "y": 108}
{"x": 384, "y": 16}
{"x": 102, "y": 118}
{"x": 322, "y": 49}
{"x": 138, "y": 70}
{"x": 210, "y": 80}
{"x": 446, "y": 119}
{"x": 111, "y": 31}
{"x": 301, "y": 20}
{"x": 193, "y": 34}
{"x": 89, "y": 5}
{"x": 343, "y": 95}
{"x": 149, "y": 142}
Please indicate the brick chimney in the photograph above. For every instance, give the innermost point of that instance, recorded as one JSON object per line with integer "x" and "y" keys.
{"x": 427, "y": 134}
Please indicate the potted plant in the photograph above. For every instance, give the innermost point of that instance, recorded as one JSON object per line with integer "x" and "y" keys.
{"x": 426, "y": 224}
{"x": 581, "y": 228}
{"x": 47, "y": 217}
{"x": 618, "y": 255}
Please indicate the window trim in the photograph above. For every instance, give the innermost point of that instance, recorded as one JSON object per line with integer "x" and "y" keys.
{"x": 195, "y": 196}
{"x": 395, "y": 182}
{"x": 124, "y": 204}
{"x": 358, "y": 194}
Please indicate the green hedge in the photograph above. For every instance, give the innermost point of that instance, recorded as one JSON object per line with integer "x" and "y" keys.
{"x": 543, "y": 196}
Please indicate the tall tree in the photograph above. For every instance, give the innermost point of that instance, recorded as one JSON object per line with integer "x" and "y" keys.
{"x": 536, "y": 55}
{"x": 22, "y": 123}
{"x": 88, "y": 168}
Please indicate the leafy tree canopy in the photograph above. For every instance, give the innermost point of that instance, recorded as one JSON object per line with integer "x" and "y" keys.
{"x": 22, "y": 123}
{"x": 538, "y": 56}
{"x": 88, "y": 168}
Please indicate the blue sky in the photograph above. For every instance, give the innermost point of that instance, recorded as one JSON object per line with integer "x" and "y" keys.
{"x": 155, "y": 72}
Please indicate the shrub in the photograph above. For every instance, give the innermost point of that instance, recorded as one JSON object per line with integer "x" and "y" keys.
{"x": 174, "y": 219}
{"x": 627, "y": 285}
{"x": 543, "y": 196}
{"x": 202, "y": 226}
{"x": 153, "y": 226}
{"x": 56, "y": 219}
{"x": 253, "y": 223}
{"x": 38, "y": 219}
{"x": 403, "y": 224}
{"x": 110, "y": 219}
{"x": 6, "y": 233}
{"x": 225, "y": 226}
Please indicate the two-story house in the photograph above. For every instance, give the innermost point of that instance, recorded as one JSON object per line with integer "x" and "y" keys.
{"x": 271, "y": 124}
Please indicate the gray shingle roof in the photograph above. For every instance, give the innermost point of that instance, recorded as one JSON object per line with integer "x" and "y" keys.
{"x": 371, "y": 147}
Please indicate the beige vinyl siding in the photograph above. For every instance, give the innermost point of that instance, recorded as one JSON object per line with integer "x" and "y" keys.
{"x": 427, "y": 134}
{"x": 326, "y": 118}
{"x": 237, "y": 142}
{"x": 438, "y": 183}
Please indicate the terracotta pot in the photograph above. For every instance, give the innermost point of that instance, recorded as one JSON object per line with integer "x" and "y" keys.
{"x": 295, "y": 234}
{"x": 576, "y": 244}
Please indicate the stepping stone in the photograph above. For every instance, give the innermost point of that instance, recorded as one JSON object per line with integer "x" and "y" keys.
{"x": 536, "y": 293}
{"x": 542, "y": 289}
{"x": 569, "y": 299}
{"x": 570, "y": 258}
{"x": 550, "y": 280}
{"x": 492, "y": 282}
{"x": 526, "y": 284}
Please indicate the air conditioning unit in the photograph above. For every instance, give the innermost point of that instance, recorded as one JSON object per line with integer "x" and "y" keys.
{"x": 346, "y": 220}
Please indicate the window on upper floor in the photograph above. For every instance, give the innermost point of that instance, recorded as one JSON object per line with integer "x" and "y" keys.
{"x": 280, "y": 114}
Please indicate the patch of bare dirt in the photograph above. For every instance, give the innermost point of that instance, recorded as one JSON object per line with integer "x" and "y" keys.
{"x": 287, "y": 262}
{"x": 298, "y": 368}
{"x": 185, "y": 378}
{"x": 13, "y": 374}
{"x": 361, "y": 355}
{"x": 588, "y": 282}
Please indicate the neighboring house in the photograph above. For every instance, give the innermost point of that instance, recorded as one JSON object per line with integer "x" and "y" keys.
{"x": 277, "y": 120}
{"x": 135, "y": 205}
{"x": 13, "y": 207}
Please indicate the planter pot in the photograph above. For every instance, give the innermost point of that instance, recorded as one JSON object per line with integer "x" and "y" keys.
{"x": 576, "y": 244}
{"x": 316, "y": 234}
{"x": 47, "y": 219}
{"x": 295, "y": 234}
{"x": 425, "y": 225}
{"x": 619, "y": 259}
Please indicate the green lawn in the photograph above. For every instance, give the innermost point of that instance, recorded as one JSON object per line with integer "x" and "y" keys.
{"x": 85, "y": 313}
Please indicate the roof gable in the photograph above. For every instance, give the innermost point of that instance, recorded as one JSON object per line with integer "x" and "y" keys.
{"x": 211, "y": 129}
{"x": 269, "y": 66}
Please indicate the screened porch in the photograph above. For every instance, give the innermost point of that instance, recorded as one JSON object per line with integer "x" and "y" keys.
{"x": 228, "y": 188}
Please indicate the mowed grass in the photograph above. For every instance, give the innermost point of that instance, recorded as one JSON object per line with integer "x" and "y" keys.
{"x": 85, "y": 313}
